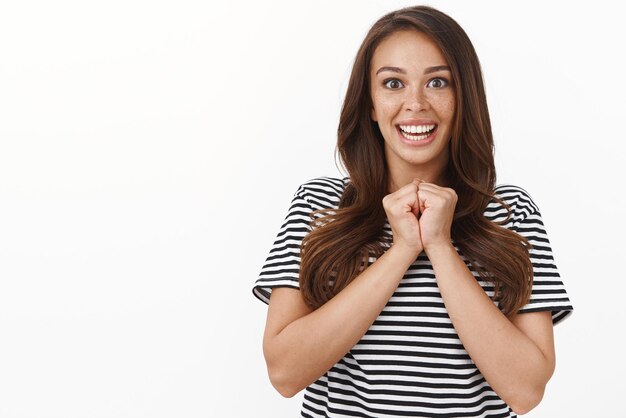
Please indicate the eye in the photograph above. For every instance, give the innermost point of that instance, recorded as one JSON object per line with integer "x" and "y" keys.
{"x": 392, "y": 83}
{"x": 437, "y": 83}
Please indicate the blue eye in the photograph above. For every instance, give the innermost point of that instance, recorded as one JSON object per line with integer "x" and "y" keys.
{"x": 396, "y": 83}
{"x": 437, "y": 83}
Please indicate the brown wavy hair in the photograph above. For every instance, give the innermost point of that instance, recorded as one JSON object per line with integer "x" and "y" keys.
{"x": 340, "y": 242}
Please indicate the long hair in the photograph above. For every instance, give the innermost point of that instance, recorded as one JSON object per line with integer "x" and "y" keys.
{"x": 340, "y": 243}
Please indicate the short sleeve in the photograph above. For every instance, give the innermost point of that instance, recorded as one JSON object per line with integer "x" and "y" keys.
{"x": 548, "y": 290}
{"x": 282, "y": 265}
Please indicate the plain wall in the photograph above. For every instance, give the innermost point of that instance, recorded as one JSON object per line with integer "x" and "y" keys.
{"x": 149, "y": 152}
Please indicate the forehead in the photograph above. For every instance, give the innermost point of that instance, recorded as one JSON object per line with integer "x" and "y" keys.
{"x": 408, "y": 49}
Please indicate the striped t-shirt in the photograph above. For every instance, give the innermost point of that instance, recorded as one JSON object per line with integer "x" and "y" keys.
{"x": 410, "y": 362}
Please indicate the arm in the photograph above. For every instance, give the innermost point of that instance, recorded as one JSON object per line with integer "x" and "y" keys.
{"x": 300, "y": 345}
{"x": 516, "y": 358}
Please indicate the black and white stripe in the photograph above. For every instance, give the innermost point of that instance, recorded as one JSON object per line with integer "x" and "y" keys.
{"x": 410, "y": 362}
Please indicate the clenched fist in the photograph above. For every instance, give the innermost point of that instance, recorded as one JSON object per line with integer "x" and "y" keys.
{"x": 436, "y": 205}
{"x": 420, "y": 215}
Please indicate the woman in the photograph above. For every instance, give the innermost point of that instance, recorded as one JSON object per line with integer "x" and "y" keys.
{"x": 415, "y": 286}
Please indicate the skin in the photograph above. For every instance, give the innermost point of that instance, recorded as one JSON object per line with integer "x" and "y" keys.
{"x": 515, "y": 357}
{"x": 418, "y": 93}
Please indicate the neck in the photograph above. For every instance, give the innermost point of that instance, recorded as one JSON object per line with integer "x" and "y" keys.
{"x": 401, "y": 177}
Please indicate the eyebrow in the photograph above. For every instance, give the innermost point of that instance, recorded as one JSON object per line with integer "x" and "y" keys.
{"x": 426, "y": 71}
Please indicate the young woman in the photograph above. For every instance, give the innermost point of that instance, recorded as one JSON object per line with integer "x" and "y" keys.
{"x": 415, "y": 286}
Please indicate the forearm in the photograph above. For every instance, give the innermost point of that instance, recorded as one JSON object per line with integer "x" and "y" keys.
{"x": 510, "y": 361}
{"x": 308, "y": 347}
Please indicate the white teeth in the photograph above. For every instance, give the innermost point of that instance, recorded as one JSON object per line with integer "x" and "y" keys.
{"x": 414, "y": 137}
{"x": 413, "y": 129}
{"x": 408, "y": 129}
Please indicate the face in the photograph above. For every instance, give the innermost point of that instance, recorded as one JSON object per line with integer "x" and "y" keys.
{"x": 413, "y": 100}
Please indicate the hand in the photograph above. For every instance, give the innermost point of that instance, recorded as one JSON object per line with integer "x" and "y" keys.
{"x": 402, "y": 210}
{"x": 436, "y": 205}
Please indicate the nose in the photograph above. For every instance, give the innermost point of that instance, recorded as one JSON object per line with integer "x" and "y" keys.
{"x": 416, "y": 100}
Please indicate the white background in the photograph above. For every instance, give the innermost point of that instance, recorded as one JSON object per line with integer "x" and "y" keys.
{"x": 149, "y": 152}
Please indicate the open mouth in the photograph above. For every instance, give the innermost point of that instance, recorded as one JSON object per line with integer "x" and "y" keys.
{"x": 416, "y": 132}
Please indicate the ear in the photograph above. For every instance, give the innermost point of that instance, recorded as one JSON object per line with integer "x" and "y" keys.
{"x": 373, "y": 115}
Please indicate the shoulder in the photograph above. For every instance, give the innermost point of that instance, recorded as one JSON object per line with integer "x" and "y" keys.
{"x": 517, "y": 197}
{"x": 519, "y": 202}
{"x": 323, "y": 191}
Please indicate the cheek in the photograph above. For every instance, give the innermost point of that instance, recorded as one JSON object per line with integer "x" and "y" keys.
{"x": 384, "y": 103}
{"x": 444, "y": 106}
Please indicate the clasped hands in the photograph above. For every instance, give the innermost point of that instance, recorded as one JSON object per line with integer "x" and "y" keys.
{"x": 420, "y": 215}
